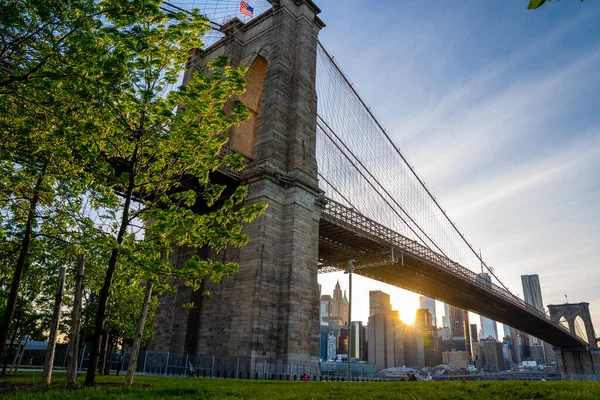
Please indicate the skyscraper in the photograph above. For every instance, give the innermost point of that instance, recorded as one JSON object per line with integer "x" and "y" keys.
{"x": 423, "y": 319}
{"x": 414, "y": 349}
{"x": 532, "y": 291}
{"x": 428, "y": 334}
{"x": 446, "y": 317}
{"x": 345, "y": 308}
{"x": 489, "y": 328}
{"x": 337, "y": 303}
{"x": 386, "y": 344}
{"x": 359, "y": 341}
{"x": 458, "y": 321}
{"x": 493, "y": 355}
{"x": 458, "y": 318}
{"x": 379, "y": 302}
{"x": 429, "y": 303}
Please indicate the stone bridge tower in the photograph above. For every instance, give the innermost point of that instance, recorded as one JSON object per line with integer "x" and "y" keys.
{"x": 268, "y": 311}
{"x": 584, "y": 360}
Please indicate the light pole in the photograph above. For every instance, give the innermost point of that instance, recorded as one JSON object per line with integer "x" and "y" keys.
{"x": 349, "y": 272}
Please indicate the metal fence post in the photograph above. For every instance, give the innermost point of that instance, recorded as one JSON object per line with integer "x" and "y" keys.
{"x": 82, "y": 355}
{"x": 145, "y": 359}
{"x": 264, "y": 376}
{"x": 187, "y": 356}
{"x": 212, "y": 369}
{"x": 237, "y": 369}
{"x": 167, "y": 363}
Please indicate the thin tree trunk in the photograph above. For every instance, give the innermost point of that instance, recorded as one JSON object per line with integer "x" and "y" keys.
{"x": 16, "y": 367}
{"x": 90, "y": 377}
{"x": 99, "y": 364}
{"x": 49, "y": 362}
{"x": 105, "y": 347}
{"x": 21, "y": 261}
{"x": 72, "y": 362}
{"x": 135, "y": 349}
{"x": 10, "y": 352}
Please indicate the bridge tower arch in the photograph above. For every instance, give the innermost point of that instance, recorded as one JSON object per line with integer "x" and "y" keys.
{"x": 268, "y": 312}
{"x": 570, "y": 312}
{"x": 580, "y": 361}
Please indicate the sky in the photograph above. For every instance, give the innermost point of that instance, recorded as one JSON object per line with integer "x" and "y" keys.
{"x": 498, "y": 110}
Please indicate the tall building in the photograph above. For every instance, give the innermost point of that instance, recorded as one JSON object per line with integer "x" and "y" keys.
{"x": 489, "y": 328}
{"x": 359, "y": 341}
{"x": 379, "y": 302}
{"x": 345, "y": 308}
{"x": 386, "y": 345}
{"x": 338, "y": 302}
{"x": 342, "y": 340}
{"x": 446, "y": 317}
{"x": 414, "y": 349}
{"x": 429, "y": 334}
{"x": 429, "y": 303}
{"x": 532, "y": 291}
{"x": 323, "y": 343}
{"x": 493, "y": 355}
{"x": 459, "y": 320}
{"x": 326, "y": 309}
{"x": 536, "y": 352}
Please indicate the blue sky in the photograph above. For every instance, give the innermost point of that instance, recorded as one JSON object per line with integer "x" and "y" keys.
{"x": 498, "y": 109}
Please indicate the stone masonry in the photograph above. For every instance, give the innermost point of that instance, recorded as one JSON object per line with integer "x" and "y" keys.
{"x": 269, "y": 310}
{"x": 580, "y": 361}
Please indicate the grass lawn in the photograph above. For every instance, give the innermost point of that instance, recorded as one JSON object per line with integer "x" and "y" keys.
{"x": 27, "y": 386}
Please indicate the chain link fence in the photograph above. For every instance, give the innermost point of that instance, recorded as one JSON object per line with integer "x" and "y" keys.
{"x": 178, "y": 364}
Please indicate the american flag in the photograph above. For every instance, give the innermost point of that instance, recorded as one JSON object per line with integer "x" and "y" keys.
{"x": 246, "y": 9}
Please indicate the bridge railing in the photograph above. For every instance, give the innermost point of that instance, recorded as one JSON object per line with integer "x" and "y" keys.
{"x": 358, "y": 223}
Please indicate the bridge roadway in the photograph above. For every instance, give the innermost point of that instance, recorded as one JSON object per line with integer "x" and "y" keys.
{"x": 389, "y": 257}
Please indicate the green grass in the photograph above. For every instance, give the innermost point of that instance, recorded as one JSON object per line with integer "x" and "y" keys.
{"x": 28, "y": 386}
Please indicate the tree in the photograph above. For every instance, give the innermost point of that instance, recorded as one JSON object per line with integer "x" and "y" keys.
{"x": 154, "y": 139}
{"x": 36, "y": 37}
{"x": 89, "y": 112}
{"x": 42, "y": 111}
{"x": 533, "y": 4}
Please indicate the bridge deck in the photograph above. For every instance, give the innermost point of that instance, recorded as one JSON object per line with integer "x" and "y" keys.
{"x": 389, "y": 257}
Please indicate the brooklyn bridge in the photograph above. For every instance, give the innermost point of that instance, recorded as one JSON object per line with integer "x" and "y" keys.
{"x": 338, "y": 188}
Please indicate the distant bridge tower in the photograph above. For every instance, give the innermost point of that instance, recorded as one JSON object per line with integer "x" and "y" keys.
{"x": 584, "y": 360}
{"x": 269, "y": 311}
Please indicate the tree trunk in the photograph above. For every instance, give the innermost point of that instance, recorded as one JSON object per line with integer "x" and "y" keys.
{"x": 135, "y": 349}
{"x": 16, "y": 367}
{"x": 21, "y": 261}
{"x": 72, "y": 362}
{"x": 99, "y": 364}
{"x": 105, "y": 347}
{"x": 90, "y": 376}
{"x": 10, "y": 352}
{"x": 49, "y": 362}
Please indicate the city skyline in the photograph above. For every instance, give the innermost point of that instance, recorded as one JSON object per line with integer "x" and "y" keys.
{"x": 524, "y": 187}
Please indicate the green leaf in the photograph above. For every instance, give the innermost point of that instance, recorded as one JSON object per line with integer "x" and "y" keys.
{"x": 533, "y": 4}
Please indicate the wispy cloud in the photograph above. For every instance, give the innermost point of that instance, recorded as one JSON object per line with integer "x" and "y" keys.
{"x": 511, "y": 146}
